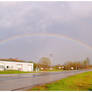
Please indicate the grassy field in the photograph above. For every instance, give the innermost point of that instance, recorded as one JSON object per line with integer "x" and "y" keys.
{"x": 79, "y": 82}
{"x": 12, "y": 72}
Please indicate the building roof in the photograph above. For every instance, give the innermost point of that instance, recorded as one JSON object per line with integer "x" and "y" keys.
{"x": 17, "y": 61}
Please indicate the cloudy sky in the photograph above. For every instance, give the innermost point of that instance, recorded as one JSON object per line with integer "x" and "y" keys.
{"x": 70, "y": 20}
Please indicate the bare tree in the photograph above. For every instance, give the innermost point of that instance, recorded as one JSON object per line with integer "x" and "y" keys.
{"x": 76, "y": 65}
{"x": 44, "y": 63}
{"x": 86, "y": 62}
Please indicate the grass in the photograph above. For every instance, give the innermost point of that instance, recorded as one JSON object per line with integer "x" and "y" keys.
{"x": 79, "y": 82}
{"x": 17, "y": 72}
{"x": 12, "y": 72}
{"x": 53, "y": 71}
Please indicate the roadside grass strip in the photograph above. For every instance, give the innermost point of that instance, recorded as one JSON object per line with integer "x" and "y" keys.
{"x": 78, "y": 82}
{"x": 12, "y": 72}
{"x": 18, "y": 72}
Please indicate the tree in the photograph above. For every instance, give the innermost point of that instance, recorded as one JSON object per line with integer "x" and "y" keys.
{"x": 44, "y": 63}
{"x": 35, "y": 66}
{"x": 86, "y": 62}
{"x": 76, "y": 65}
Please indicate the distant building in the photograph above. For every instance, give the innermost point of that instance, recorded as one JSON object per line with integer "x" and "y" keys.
{"x": 13, "y": 65}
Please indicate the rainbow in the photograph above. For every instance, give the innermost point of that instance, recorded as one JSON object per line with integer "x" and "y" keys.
{"x": 43, "y": 35}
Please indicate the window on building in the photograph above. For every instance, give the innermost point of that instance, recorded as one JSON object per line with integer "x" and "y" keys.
{"x": 7, "y": 66}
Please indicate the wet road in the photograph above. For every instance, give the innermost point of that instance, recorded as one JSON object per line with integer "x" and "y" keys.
{"x": 24, "y": 81}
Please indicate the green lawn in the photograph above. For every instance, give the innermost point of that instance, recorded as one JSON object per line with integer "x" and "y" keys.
{"x": 79, "y": 82}
{"x": 12, "y": 72}
{"x": 17, "y": 72}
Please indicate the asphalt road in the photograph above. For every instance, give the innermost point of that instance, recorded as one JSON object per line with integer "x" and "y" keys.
{"x": 11, "y": 82}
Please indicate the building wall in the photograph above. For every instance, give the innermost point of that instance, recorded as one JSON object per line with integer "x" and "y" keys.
{"x": 21, "y": 66}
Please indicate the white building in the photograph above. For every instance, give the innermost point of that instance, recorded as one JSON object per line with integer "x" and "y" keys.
{"x": 13, "y": 65}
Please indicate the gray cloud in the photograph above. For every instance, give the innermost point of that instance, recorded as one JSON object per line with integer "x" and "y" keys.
{"x": 72, "y": 19}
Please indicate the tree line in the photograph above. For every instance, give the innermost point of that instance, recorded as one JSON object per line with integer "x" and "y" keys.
{"x": 46, "y": 64}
